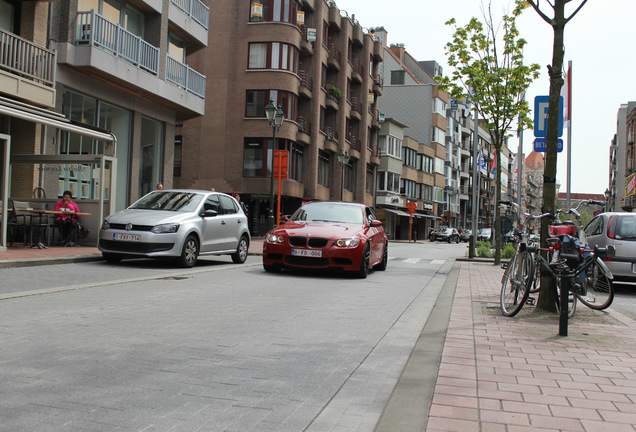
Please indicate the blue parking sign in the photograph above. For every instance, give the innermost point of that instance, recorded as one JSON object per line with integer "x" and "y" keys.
{"x": 541, "y": 104}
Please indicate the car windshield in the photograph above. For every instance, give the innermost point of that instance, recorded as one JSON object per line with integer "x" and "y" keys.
{"x": 329, "y": 213}
{"x": 169, "y": 201}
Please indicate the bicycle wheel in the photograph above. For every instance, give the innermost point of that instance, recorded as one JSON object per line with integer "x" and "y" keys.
{"x": 571, "y": 299}
{"x": 598, "y": 290}
{"x": 535, "y": 286}
{"x": 515, "y": 284}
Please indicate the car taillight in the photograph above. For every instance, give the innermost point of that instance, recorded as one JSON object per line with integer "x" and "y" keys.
{"x": 611, "y": 226}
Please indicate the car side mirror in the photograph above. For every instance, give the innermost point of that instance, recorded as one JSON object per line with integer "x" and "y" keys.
{"x": 376, "y": 223}
{"x": 210, "y": 213}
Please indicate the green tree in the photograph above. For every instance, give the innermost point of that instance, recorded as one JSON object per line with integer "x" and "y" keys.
{"x": 489, "y": 71}
{"x": 557, "y": 22}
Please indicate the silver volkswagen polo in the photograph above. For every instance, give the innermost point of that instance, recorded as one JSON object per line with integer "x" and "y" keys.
{"x": 177, "y": 224}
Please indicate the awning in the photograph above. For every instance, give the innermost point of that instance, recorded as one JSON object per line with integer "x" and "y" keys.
{"x": 427, "y": 216}
{"x": 396, "y": 211}
{"x": 23, "y": 111}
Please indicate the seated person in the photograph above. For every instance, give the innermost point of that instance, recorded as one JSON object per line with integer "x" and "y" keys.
{"x": 66, "y": 223}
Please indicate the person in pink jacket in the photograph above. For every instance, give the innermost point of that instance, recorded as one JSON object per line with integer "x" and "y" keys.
{"x": 66, "y": 223}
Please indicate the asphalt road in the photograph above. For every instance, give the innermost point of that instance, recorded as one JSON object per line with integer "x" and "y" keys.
{"x": 141, "y": 346}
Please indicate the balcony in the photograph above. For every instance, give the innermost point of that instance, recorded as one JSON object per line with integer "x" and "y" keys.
{"x": 195, "y": 10}
{"x": 304, "y": 130}
{"x": 335, "y": 56}
{"x": 355, "y": 142}
{"x": 378, "y": 84}
{"x": 27, "y": 71}
{"x": 191, "y": 16}
{"x": 109, "y": 51}
{"x": 95, "y": 30}
{"x": 306, "y": 83}
{"x": 185, "y": 77}
{"x": 356, "y": 108}
{"x": 357, "y": 70}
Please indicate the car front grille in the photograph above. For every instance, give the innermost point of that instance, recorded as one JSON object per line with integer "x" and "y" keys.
{"x": 312, "y": 242}
{"x": 135, "y": 247}
{"x": 135, "y": 227}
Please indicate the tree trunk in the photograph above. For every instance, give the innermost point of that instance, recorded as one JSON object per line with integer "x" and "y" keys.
{"x": 546, "y": 297}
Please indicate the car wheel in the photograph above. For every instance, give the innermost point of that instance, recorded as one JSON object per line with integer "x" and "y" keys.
{"x": 240, "y": 255}
{"x": 385, "y": 258}
{"x": 363, "y": 272}
{"x": 271, "y": 268}
{"x": 189, "y": 253}
{"x": 111, "y": 258}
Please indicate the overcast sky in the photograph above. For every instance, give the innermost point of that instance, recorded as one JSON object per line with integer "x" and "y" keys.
{"x": 599, "y": 41}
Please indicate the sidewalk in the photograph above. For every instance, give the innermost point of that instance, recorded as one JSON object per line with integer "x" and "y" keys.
{"x": 517, "y": 374}
{"x": 18, "y": 256}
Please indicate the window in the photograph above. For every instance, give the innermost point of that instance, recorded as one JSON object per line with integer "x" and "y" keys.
{"x": 256, "y": 100}
{"x": 427, "y": 164}
{"x": 369, "y": 180}
{"x": 6, "y": 16}
{"x": 438, "y": 135}
{"x": 439, "y": 106}
{"x": 323, "y": 77}
{"x": 228, "y": 204}
{"x": 397, "y": 77}
{"x": 438, "y": 194}
{"x": 176, "y": 48}
{"x": 409, "y": 157}
{"x": 439, "y": 166}
{"x": 276, "y": 10}
{"x": 273, "y": 55}
{"x": 151, "y": 161}
{"x": 325, "y": 34}
{"x": 427, "y": 192}
{"x": 350, "y": 174}
{"x": 324, "y": 161}
{"x": 390, "y": 145}
{"x": 408, "y": 188}
{"x": 388, "y": 182}
{"x": 295, "y": 171}
{"x": 257, "y": 156}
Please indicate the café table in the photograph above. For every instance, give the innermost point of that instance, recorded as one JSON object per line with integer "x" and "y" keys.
{"x": 42, "y": 212}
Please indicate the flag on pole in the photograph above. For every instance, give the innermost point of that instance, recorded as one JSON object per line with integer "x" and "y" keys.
{"x": 566, "y": 92}
{"x": 493, "y": 164}
{"x": 515, "y": 169}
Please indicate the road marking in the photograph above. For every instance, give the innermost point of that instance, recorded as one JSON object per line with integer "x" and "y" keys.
{"x": 412, "y": 260}
{"x": 438, "y": 261}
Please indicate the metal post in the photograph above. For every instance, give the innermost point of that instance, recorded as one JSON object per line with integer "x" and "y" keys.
{"x": 563, "y": 313}
{"x": 270, "y": 218}
{"x": 476, "y": 185}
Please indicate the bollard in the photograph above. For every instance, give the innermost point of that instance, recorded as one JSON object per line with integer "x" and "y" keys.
{"x": 471, "y": 247}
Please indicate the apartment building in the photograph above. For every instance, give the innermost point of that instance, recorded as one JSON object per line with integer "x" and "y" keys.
{"x": 621, "y": 190}
{"x": 91, "y": 92}
{"x": 320, "y": 67}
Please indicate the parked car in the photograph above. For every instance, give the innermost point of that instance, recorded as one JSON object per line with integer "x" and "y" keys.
{"x": 177, "y": 224}
{"x": 484, "y": 234}
{"x": 465, "y": 235}
{"x": 328, "y": 235}
{"x": 432, "y": 236}
{"x": 448, "y": 235}
{"x": 617, "y": 229}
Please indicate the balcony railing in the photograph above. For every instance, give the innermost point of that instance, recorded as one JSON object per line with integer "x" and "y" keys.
{"x": 185, "y": 77}
{"x": 355, "y": 142}
{"x": 194, "y": 9}
{"x": 306, "y": 80}
{"x": 334, "y": 53}
{"x": 304, "y": 125}
{"x": 356, "y": 105}
{"x": 25, "y": 58}
{"x": 94, "y": 29}
{"x": 356, "y": 66}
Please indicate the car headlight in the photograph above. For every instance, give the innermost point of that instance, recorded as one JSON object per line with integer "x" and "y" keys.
{"x": 105, "y": 225}
{"x": 165, "y": 228}
{"x": 274, "y": 238}
{"x": 347, "y": 242}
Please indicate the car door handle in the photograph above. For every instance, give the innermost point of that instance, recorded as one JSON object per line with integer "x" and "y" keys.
{"x": 222, "y": 222}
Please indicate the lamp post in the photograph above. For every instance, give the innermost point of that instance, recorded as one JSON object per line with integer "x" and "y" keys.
{"x": 343, "y": 160}
{"x": 275, "y": 117}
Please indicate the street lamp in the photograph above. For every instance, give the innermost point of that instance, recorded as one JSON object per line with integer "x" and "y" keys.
{"x": 275, "y": 116}
{"x": 343, "y": 160}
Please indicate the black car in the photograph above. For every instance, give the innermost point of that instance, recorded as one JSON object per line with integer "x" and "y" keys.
{"x": 447, "y": 234}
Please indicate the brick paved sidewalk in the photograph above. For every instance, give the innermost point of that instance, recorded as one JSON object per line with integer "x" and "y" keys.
{"x": 517, "y": 374}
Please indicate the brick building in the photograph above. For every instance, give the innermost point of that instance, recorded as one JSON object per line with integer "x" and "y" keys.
{"x": 321, "y": 67}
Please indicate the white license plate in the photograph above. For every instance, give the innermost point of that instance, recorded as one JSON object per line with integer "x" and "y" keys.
{"x": 127, "y": 237}
{"x": 307, "y": 253}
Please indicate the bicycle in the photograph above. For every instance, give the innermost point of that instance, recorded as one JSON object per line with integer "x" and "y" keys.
{"x": 520, "y": 271}
{"x": 590, "y": 279}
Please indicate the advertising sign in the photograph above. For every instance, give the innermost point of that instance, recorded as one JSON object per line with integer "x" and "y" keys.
{"x": 257, "y": 10}
{"x": 630, "y": 184}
